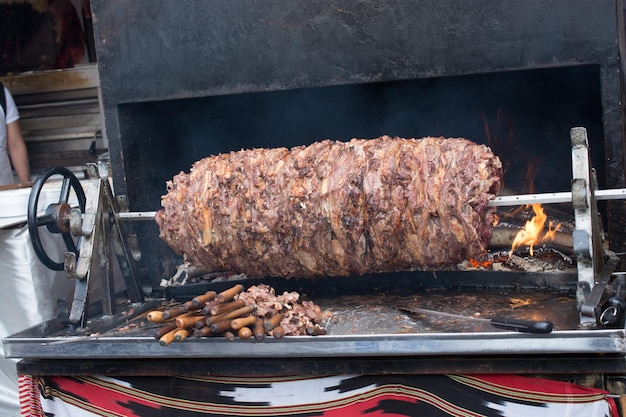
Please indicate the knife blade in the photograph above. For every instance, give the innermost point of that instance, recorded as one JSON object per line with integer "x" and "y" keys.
{"x": 506, "y": 323}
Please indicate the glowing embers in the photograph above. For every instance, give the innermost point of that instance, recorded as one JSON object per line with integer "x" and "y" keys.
{"x": 478, "y": 263}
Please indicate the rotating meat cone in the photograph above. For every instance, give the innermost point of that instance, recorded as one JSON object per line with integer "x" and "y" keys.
{"x": 334, "y": 208}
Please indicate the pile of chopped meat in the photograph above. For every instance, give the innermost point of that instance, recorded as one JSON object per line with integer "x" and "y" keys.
{"x": 297, "y": 316}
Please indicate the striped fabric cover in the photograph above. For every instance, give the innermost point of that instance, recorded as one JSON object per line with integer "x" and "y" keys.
{"x": 333, "y": 396}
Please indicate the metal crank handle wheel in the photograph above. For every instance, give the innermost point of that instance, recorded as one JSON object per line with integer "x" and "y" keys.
{"x": 56, "y": 217}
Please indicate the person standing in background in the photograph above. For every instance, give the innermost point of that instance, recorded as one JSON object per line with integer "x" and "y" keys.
{"x": 12, "y": 145}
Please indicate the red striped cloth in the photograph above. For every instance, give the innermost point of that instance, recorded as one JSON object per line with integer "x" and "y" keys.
{"x": 331, "y": 396}
{"x": 29, "y": 393}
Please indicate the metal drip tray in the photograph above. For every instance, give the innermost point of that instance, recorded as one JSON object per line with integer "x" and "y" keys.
{"x": 376, "y": 322}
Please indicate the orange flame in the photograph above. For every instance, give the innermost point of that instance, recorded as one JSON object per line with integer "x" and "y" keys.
{"x": 533, "y": 232}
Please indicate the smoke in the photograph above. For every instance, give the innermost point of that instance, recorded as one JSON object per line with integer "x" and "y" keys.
{"x": 523, "y": 115}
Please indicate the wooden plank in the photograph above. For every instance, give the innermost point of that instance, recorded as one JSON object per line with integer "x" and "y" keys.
{"x": 59, "y": 109}
{"x": 85, "y": 132}
{"x": 66, "y": 145}
{"x": 79, "y": 77}
{"x": 55, "y": 98}
{"x": 60, "y": 123}
{"x": 39, "y": 161}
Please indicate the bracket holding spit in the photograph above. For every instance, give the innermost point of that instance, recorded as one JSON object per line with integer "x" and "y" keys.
{"x": 89, "y": 232}
{"x": 587, "y": 238}
{"x": 595, "y": 265}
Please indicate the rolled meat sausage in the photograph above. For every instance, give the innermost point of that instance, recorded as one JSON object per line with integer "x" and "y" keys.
{"x": 334, "y": 208}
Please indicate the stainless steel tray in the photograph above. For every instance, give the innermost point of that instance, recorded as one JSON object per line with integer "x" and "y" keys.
{"x": 367, "y": 320}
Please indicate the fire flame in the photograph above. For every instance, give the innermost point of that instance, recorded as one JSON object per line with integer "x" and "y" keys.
{"x": 533, "y": 232}
{"x": 501, "y": 139}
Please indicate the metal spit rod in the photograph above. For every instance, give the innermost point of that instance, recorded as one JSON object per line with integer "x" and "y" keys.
{"x": 137, "y": 215}
{"x": 501, "y": 201}
{"x": 551, "y": 198}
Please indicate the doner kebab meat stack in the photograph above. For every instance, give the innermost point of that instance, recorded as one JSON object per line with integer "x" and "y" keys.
{"x": 334, "y": 208}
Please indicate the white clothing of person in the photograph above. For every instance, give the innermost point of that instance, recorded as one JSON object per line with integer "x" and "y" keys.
{"x": 12, "y": 114}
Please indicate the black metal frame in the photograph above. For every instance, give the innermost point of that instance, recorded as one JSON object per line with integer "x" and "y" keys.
{"x": 158, "y": 58}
